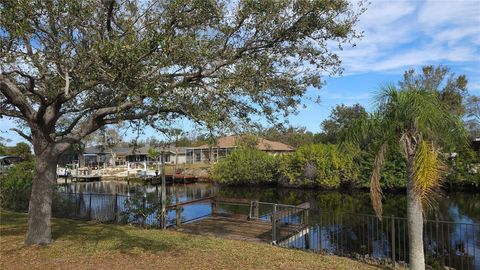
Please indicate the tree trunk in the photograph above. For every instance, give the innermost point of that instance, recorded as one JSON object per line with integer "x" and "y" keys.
{"x": 415, "y": 221}
{"x": 40, "y": 207}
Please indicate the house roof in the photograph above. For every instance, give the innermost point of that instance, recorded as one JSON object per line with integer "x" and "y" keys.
{"x": 263, "y": 144}
{"x": 130, "y": 150}
{"x": 8, "y": 157}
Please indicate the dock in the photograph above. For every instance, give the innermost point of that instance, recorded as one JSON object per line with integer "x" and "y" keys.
{"x": 171, "y": 178}
{"x": 230, "y": 228}
{"x": 86, "y": 178}
{"x": 276, "y": 227}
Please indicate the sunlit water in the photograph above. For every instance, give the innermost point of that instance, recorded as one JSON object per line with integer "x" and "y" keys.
{"x": 462, "y": 209}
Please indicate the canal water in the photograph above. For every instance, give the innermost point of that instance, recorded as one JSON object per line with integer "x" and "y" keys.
{"x": 341, "y": 222}
{"x": 461, "y": 207}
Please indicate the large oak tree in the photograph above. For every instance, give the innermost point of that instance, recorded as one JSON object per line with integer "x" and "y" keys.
{"x": 70, "y": 67}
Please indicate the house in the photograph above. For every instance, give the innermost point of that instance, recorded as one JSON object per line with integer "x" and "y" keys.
{"x": 121, "y": 155}
{"x": 224, "y": 145}
{"x": 7, "y": 161}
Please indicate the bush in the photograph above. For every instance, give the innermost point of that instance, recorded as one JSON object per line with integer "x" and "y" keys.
{"x": 393, "y": 173}
{"x": 16, "y": 185}
{"x": 464, "y": 169}
{"x": 246, "y": 166}
{"x": 322, "y": 165}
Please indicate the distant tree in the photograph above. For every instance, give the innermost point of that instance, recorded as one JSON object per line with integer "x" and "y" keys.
{"x": 473, "y": 116}
{"x": 184, "y": 141}
{"x": 450, "y": 89}
{"x": 294, "y": 136}
{"x": 69, "y": 68}
{"x": 247, "y": 141}
{"x": 22, "y": 150}
{"x": 3, "y": 147}
{"x": 154, "y": 142}
{"x": 340, "y": 119}
{"x": 108, "y": 138}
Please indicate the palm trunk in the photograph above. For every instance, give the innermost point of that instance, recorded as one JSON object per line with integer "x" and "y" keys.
{"x": 40, "y": 206}
{"x": 415, "y": 221}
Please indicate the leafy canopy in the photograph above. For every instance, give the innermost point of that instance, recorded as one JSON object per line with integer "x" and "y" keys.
{"x": 70, "y": 67}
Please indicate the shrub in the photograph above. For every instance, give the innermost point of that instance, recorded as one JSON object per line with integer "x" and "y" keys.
{"x": 321, "y": 165}
{"x": 16, "y": 185}
{"x": 464, "y": 168}
{"x": 393, "y": 174}
{"x": 246, "y": 166}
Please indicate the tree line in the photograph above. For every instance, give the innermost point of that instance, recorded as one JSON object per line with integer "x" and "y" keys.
{"x": 323, "y": 160}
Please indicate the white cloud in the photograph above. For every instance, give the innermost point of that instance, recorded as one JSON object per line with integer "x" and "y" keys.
{"x": 436, "y": 13}
{"x": 400, "y": 34}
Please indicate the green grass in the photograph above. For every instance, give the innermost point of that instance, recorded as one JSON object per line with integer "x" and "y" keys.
{"x": 90, "y": 245}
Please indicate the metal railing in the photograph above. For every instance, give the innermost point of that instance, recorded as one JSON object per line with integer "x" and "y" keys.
{"x": 362, "y": 236}
{"x": 365, "y": 237}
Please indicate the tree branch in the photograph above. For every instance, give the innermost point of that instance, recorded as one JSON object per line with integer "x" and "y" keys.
{"x": 21, "y": 133}
{"x": 16, "y": 97}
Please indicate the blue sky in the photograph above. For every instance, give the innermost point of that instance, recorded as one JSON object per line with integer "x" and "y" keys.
{"x": 398, "y": 35}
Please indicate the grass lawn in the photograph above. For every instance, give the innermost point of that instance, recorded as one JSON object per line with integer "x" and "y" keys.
{"x": 90, "y": 245}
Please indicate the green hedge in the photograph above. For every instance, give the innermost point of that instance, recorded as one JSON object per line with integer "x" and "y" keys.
{"x": 246, "y": 166}
{"x": 322, "y": 165}
{"x": 16, "y": 185}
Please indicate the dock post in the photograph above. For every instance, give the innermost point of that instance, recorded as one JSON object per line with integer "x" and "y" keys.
{"x": 115, "y": 208}
{"x": 319, "y": 226}
{"x": 306, "y": 217}
{"x": 255, "y": 209}
{"x": 163, "y": 222}
{"x": 307, "y": 238}
{"x": 178, "y": 213}
{"x": 90, "y": 207}
{"x": 274, "y": 225}
{"x": 214, "y": 207}
{"x": 79, "y": 205}
{"x": 393, "y": 241}
{"x": 144, "y": 205}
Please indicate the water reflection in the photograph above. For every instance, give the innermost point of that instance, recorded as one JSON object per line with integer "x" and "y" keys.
{"x": 340, "y": 222}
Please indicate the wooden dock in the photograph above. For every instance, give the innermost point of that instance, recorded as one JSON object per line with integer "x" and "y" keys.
{"x": 230, "y": 228}
{"x": 245, "y": 227}
{"x": 86, "y": 178}
{"x": 171, "y": 178}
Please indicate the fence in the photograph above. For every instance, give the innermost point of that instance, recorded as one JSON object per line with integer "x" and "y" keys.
{"x": 115, "y": 208}
{"x": 362, "y": 236}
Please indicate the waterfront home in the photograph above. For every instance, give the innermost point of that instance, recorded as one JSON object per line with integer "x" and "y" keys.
{"x": 224, "y": 145}
{"x": 7, "y": 161}
{"x": 101, "y": 156}
{"x": 121, "y": 155}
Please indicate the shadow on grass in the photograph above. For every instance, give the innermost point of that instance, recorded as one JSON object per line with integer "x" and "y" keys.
{"x": 96, "y": 236}
{"x": 120, "y": 238}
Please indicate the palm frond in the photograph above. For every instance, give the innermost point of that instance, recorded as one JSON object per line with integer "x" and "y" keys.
{"x": 375, "y": 188}
{"x": 428, "y": 172}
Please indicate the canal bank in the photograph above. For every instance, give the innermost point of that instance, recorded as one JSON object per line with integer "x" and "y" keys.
{"x": 339, "y": 223}
{"x": 89, "y": 245}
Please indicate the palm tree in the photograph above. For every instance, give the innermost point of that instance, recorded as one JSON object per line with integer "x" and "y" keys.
{"x": 417, "y": 122}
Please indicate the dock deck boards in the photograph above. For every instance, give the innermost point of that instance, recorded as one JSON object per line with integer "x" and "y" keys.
{"x": 230, "y": 228}
{"x": 234, "y": 228}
